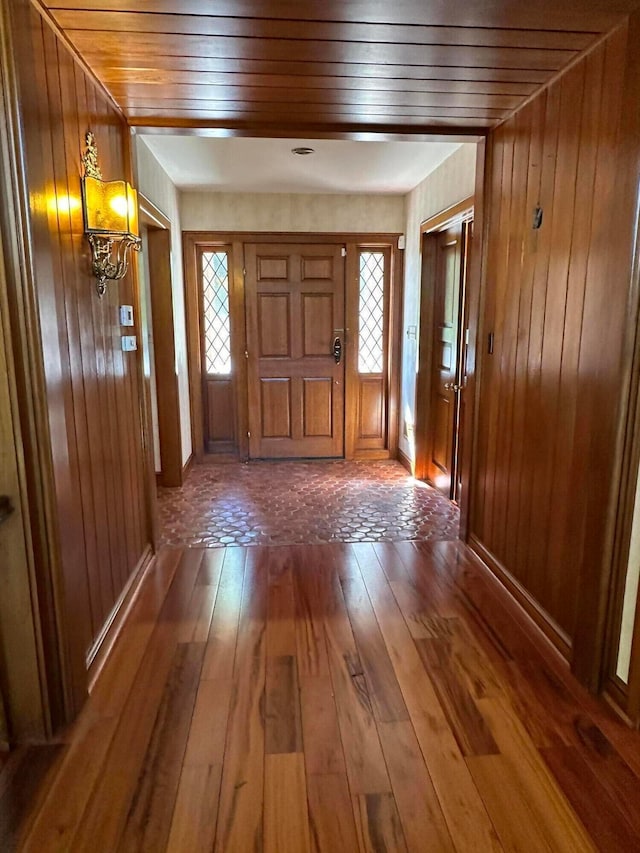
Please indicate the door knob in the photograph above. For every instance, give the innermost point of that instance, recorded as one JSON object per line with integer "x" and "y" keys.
{"x": 337, "y": 349}
{"x": 451, "y": 386}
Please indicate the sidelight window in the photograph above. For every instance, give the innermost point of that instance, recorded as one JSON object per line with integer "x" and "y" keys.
{"x": 371, "y": 313}
{"x": 215, "y": 295}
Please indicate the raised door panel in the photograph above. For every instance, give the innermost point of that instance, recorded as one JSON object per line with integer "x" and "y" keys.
{"x": 317, "y": 418}
{"x": 220, "y": 410}
{"x": 318, "y": 324}
{"x": 275, "y": 409}
{"x": 274, "y": 324}
{"x": 371, "y": 408}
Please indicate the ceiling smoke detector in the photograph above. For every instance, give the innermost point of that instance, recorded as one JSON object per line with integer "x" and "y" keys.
{"x": 303, "y": 151}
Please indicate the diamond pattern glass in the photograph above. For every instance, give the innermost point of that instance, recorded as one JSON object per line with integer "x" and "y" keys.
{"x": 215, "y": 292}
{"x": 371, "y": 313}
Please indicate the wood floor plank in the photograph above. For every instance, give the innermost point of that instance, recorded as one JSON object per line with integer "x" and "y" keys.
{"x": 331, "y": 820}
{"x": 467, "y": 723}
{"x": 112, "y": 688}
{"x": 281, "y": 608}
{"x": 108, "y": 805}
{"x": 211, "y": 567}
{"x": 194, "y": 627}
{"x": 553, "y": 818}
{"x": 420, "y": 813}
{"x": 283, "y": 728}
{"x": 239, "y": 825}
{"x": 286, "y": 821}
{"x": 206, "y": 741}
{"x": 386, "y": 697}
{"x": 606, "y": 823}
{"x": 321, "y": 734}
{"x": 366, "y": 769}
{"x": 378, "y": 824}
{"x": 193, "y": 823}
{"x": 310, "y": 579}
{"x": 24, "y": 783}
{"x": 464, "y": 811}
{"x": 177, "y": 742}
{"x": 149, "y": 819}
{"x": 58, "y": 818}
{"x": 223, "y": 632}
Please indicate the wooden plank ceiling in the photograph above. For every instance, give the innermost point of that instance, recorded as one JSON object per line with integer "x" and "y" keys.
{"x": 331, "y": 67}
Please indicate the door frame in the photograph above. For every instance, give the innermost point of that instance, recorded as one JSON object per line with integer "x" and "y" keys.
{"x": 195, "y": 241}
{"x": 159, "y": 268}
{"x": 457, "y": 214}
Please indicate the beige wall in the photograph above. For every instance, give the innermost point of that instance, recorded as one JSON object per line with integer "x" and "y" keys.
{"x": 155, "y": 184}
{"x": 451, "y": 182}
{"x": 215, "y": 211}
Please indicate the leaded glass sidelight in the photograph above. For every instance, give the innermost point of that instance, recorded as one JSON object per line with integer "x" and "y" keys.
{"x": 215, "y": 296}
{"x": 371, "y": 313}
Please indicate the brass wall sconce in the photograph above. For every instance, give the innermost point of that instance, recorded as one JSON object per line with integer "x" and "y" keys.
{"x": 110, "y": 210}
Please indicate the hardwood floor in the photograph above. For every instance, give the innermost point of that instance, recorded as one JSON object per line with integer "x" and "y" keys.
{"x": 363, "y": 697}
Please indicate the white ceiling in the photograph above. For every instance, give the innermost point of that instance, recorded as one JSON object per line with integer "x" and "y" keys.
{"x": 240, "y": 164}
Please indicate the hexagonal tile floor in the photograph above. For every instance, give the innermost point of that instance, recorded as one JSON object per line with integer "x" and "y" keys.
{"x": 286, "y": 503}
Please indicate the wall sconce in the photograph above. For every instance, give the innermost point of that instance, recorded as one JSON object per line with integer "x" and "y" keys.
{"x": 110, "y": 210}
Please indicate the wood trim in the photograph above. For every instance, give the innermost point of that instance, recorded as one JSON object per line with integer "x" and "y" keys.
{"x": 475, "y": 308}
{"x": 188, "y": 465}
{"x": 523, "y": 599}
{"x": 240, "y": 377}
{"x": 396, "y": 301}
{"x": 452, "y": 215}
{"x": 146, "y": 420}
{"x": 404, "y": 460}
{"x": 152, "y": 216}
{"x": 218, "y": 237}
{"x": 190, "y": 245}
{"x": 162, "y": 319}
{"x": 457, "y": 213}
{"x": 100, "y": 649}
{"x": 351, "y": 280}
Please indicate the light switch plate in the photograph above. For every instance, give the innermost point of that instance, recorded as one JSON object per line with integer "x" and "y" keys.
{"x": 126, "y": 315}
{"x": 129, "y": 343}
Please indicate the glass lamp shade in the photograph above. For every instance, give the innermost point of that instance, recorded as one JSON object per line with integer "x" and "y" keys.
{"x": 110, "y": 207}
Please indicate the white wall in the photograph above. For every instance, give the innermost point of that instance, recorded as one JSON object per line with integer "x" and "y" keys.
{"x": 215, "y": 211}
{"x": 451, "y": 182}
{"x": 155, "y": 184}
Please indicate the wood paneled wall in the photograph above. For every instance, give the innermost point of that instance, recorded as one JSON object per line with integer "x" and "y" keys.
{"x": 92, "y": 387}
{"x": 556, "y": 302}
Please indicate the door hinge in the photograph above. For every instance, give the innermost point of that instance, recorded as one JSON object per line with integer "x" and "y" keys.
{"x": 248, "y": 434}
{"x": 246, "y": 354}
{"x": 343, "y": 251}
{"x": 244, "y": 272}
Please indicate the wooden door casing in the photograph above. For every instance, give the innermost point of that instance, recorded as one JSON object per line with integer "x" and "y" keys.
{"x": 444, "y": 364}
{"x": 295, "y": 310}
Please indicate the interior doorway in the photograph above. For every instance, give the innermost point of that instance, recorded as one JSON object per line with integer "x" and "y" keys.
{"x": 444, "y": 335}
{"x": 293, "y": 344}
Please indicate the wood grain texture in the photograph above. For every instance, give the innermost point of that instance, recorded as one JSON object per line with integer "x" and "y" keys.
{"x": 168, "y": 759}
{"x": 551, "y": 393}
{"x": 93, "y": 390}
{"x": 285, "y": 44}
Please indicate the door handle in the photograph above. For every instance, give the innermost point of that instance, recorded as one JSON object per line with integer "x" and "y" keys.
{"x": 451, "y": 386}
{"x": 6, "y": 508}
{"x": 337, "y": 350}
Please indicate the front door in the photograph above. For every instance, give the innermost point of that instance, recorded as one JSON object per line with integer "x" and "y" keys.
{"x": 295, "y": 349}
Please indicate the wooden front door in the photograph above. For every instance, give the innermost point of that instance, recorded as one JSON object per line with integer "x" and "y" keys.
{"x": 445, "y": 380}
{"x": 295, "y": 316}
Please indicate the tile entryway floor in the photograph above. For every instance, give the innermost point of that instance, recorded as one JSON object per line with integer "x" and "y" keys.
{"x": 285, "y": 503}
